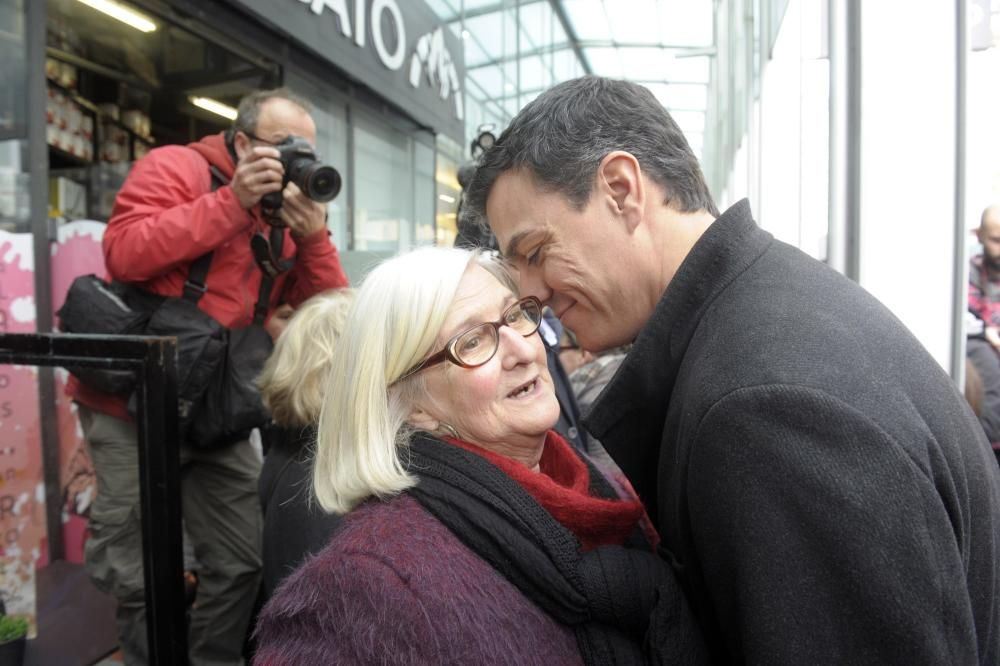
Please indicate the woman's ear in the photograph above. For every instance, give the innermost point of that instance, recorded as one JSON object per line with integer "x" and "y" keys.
{"x": 422, "y": 420}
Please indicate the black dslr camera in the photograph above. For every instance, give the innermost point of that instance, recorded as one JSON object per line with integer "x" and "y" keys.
{"x": 320, "y": 182}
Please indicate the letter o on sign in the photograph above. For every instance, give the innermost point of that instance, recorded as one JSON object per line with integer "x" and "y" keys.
{"x": 390, "y": 60}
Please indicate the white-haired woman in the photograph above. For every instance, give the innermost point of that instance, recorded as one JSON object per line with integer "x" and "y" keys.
{"x": 291, "y": 386}
{"x": 476, "y": 534}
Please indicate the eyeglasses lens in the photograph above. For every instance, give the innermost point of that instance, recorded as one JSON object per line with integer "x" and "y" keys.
{"x": 524, "y": 318}
{"x": 477, "y": 346}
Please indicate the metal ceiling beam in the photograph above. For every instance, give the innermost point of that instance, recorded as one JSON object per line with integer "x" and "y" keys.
{"x": 684, "y": 51}
{"x": 539, "y": 51}
{"x": 560, "y": 12}
{"x": 482, "y": 11}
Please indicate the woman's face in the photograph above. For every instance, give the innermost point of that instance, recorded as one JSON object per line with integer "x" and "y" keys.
{"x": 488, "y": 405}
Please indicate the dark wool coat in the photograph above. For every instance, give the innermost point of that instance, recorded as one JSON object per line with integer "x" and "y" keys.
{"x": 827, "y": 493}
{"x": 395, "y": 586}
{"x": 295, "y": 526}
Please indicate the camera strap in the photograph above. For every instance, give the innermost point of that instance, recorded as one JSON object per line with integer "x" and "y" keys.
{"x": 267, "y": 280}
{"x": 194, "y": 286}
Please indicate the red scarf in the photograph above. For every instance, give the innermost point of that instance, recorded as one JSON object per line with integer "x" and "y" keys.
{"x": 562, "y": 486}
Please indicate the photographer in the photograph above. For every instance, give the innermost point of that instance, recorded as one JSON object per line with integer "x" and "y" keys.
{"x": 179, "y": 204}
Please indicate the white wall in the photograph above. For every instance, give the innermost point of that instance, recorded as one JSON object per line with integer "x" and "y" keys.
{"x": 983, "y": 128}
{"x": 908, "y": 74}
{"x": 793, "y": 128}
{"x": 907, "y": 164}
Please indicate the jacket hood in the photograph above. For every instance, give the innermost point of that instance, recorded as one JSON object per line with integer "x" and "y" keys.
{"x": 213, "y": 148}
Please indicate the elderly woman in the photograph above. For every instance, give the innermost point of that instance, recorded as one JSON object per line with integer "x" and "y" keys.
{"x": 291, "y": 386}
{"x": 476, "y": 534}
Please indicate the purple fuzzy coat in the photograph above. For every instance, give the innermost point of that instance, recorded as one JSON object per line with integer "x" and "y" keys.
{"x": 395, "y": 586}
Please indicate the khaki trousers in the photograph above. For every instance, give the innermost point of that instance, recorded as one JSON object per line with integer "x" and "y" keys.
{"x": 222, "y": 519}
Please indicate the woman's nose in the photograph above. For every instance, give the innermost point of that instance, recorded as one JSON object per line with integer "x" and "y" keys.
{"x": 517, "y": 349}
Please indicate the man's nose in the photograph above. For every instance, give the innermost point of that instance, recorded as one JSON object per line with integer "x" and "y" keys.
{"x": 531, "y": 284}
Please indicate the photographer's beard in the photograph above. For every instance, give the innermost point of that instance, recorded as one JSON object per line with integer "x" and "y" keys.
{"x": 992, "y": 263}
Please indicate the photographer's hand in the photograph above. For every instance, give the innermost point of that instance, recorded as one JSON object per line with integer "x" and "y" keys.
{"x": 257, "y": 174}
{"x": 302, "y": 215}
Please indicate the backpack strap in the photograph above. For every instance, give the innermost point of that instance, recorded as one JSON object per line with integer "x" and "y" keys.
{"x": 194, "y": 286}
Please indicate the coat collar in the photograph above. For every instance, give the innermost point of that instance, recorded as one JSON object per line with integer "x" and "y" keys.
{"x": 647, "y": 376}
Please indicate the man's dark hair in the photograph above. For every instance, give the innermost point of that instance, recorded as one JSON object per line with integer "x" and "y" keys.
{"x": 562, "y": 136}
{"x": 248, "y": 111}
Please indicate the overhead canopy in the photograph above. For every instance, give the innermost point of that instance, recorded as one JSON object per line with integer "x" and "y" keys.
{"x": 514, "y": 51}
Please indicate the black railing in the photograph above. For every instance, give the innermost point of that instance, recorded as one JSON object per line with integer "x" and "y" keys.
{"x": 154, "y": 361}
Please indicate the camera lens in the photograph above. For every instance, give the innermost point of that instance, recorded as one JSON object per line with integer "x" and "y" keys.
{"x": 322, "y": 182}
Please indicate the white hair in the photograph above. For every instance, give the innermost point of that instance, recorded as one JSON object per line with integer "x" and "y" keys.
{"x": 294, "y": 376}
{"x": 396, "y": 318}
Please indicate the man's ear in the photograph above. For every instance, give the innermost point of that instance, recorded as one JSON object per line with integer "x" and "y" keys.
{"x": 620, "y": 177}
{"x": 422, "y": 420}
{"x": 241, "y": 144}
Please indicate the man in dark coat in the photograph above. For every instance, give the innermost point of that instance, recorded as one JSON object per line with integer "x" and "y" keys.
{"x": 821, "y": 487}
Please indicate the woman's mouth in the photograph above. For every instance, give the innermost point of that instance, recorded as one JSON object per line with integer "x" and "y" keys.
{"x": 524, "y": 390}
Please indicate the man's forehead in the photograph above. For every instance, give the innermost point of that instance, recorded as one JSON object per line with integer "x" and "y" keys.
{"x": 512, "y": 208}
{"x": 991, "y": 220}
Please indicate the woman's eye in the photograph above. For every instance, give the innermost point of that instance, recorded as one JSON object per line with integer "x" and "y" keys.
{"x": 471, "y": 343}
{"x": 534, "y": 257}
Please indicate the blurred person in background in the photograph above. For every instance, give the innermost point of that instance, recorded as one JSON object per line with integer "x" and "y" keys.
{"x": 291, "y": 387}
{"x": 984, "y": 276}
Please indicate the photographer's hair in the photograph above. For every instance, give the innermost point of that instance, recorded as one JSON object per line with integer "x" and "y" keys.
{"x": 248, "y": 110}
{"x": 292, "y": 382}
{"x": 394, "y": 323}
{"x": 561, "y": 137}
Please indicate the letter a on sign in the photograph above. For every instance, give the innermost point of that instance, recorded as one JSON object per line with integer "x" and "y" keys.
{"x": 338, "y": 7}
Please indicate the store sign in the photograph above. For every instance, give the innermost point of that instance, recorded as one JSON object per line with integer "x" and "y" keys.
{"x": 430, "y": 54}
{"x": 398, "y": 48}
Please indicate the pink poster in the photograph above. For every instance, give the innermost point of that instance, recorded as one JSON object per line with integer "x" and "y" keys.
{"x": 22, "y": 491}
{"x": 23, "y": 539}
{"x": 77, "y": 252}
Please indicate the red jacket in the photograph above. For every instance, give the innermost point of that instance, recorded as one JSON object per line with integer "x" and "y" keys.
{"x": 166, "y": 216}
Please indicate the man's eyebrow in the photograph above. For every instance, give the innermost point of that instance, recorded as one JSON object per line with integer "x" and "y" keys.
{"x": 514, "y": 241}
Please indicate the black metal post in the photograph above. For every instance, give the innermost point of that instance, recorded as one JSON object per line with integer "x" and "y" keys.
{"x": 160, "y": 490}
{"x": 154, "y": 360}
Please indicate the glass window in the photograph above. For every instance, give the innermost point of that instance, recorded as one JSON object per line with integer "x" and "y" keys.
{"x": 605, "y": 61}
{"x": 684, "y": 96}
{"x": 537, "y": 22}
{"x": 423, "y": 190}
{"x": 448, "y": 194}
{"x": 691, "y": 26}
{"x": 383, "y": 187}
{"x": 331, "y": 143}
{"x": 589, "y": 19}
{"x": 14, "y": 190}
{"x": 330, "y": 115}
{"x": 534, "y": 75}
{"x": 637, "y": 24}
